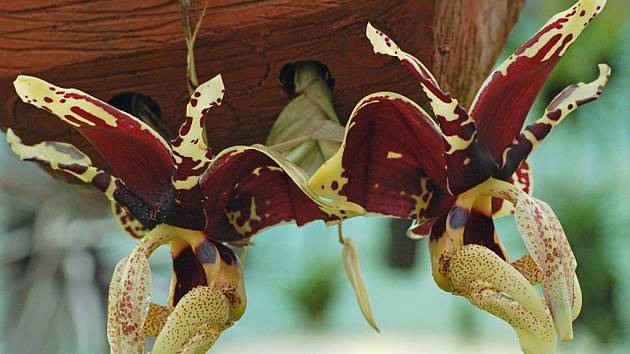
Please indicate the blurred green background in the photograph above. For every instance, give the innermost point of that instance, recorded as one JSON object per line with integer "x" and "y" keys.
{"x": 58, "y": 246}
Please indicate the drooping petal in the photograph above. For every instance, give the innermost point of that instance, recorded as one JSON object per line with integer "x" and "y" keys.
{"x": 468, "y": 162}
{"x": 523, "y": 178}
{"x": 391, "y": 160}
{"x": 67, "y": 158}
{"x": 558, "y": 265}
{"x": 353, "y": 270}
{"x": 190, "y": 152}
{"x": 128, "y": 306}
{"x": 506, "y": 97}
{"x": 494, "y": 286}
{"x": 136, "y": 154}
{"x": 249, "y": 188}
{"x": 564, "y": 103}
{"x": 549, "y": 248}
{"x": 113, "y": 322}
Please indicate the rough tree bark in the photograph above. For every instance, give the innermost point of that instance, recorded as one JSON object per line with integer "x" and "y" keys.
{"x": 109, "y": 47}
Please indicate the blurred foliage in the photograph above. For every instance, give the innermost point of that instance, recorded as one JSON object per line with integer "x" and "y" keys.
{"x": 315, "y": 290}
{"x": 583, "y": 215}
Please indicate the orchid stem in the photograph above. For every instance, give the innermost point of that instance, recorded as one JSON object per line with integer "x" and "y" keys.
{"x": 340, "y": 234}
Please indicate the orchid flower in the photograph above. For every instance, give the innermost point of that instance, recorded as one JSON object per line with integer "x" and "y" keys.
{"x": 177, "y": 194}
{"x": 450, "y": 173}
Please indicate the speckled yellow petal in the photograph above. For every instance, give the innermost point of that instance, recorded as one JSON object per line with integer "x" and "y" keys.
{"x": 353, "y": 270}
{"x": 204, "y": 338}
{"x": 494, "y": 286}
{"x": 528, "y": 267}
{"x": 156, "y": 318}
{"x": 202, "y": 308}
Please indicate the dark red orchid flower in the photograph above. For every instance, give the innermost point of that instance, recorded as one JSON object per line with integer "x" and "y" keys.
{"x": 452, "y": 171}
{"x": 180, "y": 194}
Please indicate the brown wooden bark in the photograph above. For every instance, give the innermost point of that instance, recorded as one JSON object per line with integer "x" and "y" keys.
{"x": 109, "y": 47}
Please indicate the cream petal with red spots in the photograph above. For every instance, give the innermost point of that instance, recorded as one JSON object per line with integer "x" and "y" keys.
{"x": 128, "y": 304}
{"x": 548, "y": 246}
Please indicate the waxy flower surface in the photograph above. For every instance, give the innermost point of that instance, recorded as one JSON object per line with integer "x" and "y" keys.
{"x": 177, "y": 194}
{"x": 453, "y": 171}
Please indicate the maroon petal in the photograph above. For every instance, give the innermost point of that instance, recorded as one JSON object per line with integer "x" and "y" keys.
{"x": 564, "y": 103}
{"x": 136, "y": 154}
{"x": 67, "y": 158}
{"x": 391, "y": 161}
{"x": 468, "y": 162}
{"x": 506, "y": 97}
{"x": 247, "y": 189}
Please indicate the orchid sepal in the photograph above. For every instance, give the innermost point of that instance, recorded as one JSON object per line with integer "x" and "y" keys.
{"x": 467, "y": 161}
{"x": 64, "y": 157}
{"x": 568, "y": 100}
{"x": 135, "y": 152}
{"x": 504, "y": 99}
{"x": 191, "y": 155}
